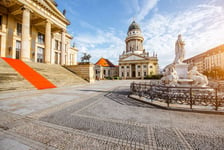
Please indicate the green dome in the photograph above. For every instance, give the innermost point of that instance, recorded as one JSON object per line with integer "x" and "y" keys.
{"x": 133, "y": 25}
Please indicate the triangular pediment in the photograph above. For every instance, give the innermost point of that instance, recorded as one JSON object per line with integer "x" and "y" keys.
{"x": 133, "y": 57}
{"x": 50, "y": 5}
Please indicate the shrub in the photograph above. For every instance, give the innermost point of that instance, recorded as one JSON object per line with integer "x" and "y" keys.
{"x": 159, "y": 76}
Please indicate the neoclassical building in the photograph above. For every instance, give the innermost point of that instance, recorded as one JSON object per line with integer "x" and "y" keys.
{"x": 35, "y": 30}
{"x": 135, "y": 62}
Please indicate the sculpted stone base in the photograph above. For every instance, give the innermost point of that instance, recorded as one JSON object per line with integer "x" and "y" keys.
{"x": 182, "y": 70}
{"x": 185, "y": 82}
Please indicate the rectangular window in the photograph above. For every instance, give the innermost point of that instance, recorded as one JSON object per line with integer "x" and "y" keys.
{"x": 40, "y": 54}
{"x": 59, "y": 60}
{"x": 56, "y": 45}
{"x": 145, "y": 66}
{"x": 40, "y": 38}
{"x": 122, "y": 67}
{"x": 127, "y": 67}
{"x": 19, "y": 29}
{"x": 59, "y": 46}
{"x": 55, "y": 57}
{"x": 139, "y": 66}
{"x": 127, "y": 74}
{"x": 18, "y": 49}
{"x": 144, "y": 73}
{"x": 139, "y": 74}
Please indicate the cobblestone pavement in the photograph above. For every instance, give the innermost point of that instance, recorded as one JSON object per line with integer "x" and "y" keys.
{"x": 100, "y": 118}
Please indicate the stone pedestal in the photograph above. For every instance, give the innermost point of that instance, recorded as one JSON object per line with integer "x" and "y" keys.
{"x": 84, "y": 70}
{"x": 182, "y": 70}
{"x": 185, "y": 82}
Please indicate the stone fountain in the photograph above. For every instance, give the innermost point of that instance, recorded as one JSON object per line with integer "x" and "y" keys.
{"x": 177, "y": 73}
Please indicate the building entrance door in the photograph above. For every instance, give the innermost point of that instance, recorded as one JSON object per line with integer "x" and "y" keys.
{"x": 18, "y": 49}
{"x": 133, "y": 70}
{"x": 40, "y": 55}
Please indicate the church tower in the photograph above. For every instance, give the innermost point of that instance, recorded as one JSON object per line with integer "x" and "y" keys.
{"x": 135, "y": 61}
{"x": 134, "y": 39}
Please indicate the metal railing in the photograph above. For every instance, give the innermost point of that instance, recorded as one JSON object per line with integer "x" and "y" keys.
{"x": 191, "y": 96}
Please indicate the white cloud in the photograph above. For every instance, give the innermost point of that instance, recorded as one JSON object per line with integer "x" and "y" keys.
{"x": 107, "y": 44}
{"x": 202, "y": 28}
{"x": 139, "y": 9}
{"x": 145, "y": 7}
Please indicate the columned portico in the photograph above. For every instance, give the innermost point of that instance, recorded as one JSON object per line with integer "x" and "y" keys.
{"x": 48, "y": 42}
{"x": 25, "y": 49}
{"x": 35, "y": 30}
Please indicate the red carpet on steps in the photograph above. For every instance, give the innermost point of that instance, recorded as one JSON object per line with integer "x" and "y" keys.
{"x": 28, "y": 73}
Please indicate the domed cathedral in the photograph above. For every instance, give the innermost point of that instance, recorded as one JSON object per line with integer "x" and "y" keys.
{"x": 135, "y": 62}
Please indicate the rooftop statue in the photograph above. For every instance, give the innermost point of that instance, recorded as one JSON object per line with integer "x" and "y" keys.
{"x": 85, "y": 57}
{"x": 179, "y": 50}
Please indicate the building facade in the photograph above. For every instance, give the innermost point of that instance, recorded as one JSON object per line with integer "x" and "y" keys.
{"x": 35, "y": 30}
{"x": 105, "y": 69}
{"x": 209, "y": 60}
{"x": 135, "y": 61}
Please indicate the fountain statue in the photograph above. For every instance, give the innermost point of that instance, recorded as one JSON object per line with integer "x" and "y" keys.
{"x": 179, "y": 50}
{"x": 177, "y": 74}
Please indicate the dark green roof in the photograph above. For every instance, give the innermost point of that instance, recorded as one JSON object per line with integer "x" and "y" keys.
{"x": 133, "y": 25}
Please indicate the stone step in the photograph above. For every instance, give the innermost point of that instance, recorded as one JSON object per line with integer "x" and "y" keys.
{"x": 59, "y": 76}
{"x": 11, "y": 80}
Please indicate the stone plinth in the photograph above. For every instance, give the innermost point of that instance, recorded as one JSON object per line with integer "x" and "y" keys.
{"x": 84, "y": 70}
{"x": 185, "y": 82}
{"x": 182, "y": 70}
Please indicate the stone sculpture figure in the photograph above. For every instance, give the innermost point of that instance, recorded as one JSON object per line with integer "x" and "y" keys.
{"x": 198, "y": 78}
{"x": 86, "y": 57}
{"x": 179, "y": 50}
{"x": 170, "y": 77}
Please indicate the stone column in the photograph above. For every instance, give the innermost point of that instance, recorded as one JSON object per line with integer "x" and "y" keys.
{"x": 136, "y": 70}
{"x": 120, "y": 71}
{"x": 3, "y": 45}
{"x": 142, "y": 71}
{"x": 63, "y": 47}
{"x": 52, "y": 49}
{"x": 25, "y": 50}
{"x": 48, "y": 42}
{"x": 130, "y": 71}
{"x": 125, "y": 72}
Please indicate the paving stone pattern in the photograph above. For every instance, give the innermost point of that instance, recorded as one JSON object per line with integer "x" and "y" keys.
{"x": 86, "y": 116}
{"x": 110, "y": 120}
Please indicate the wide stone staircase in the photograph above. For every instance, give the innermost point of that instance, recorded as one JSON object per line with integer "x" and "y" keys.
{"x": 12, "y": 80}
{"x": 59, "y": 76}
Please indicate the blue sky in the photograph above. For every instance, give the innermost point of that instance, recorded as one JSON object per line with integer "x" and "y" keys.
{"x": 99, "y": 27}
